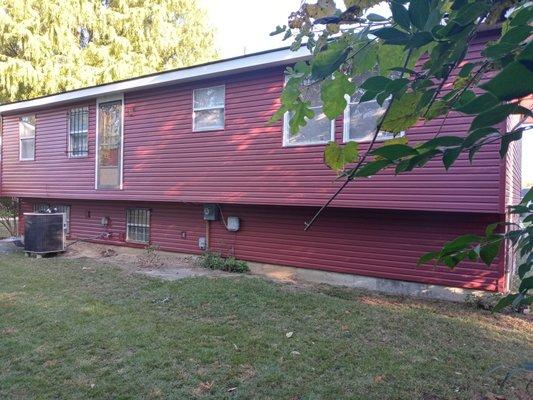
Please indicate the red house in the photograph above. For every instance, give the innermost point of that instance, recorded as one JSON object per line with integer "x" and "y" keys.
{"x": 134, "y": 162}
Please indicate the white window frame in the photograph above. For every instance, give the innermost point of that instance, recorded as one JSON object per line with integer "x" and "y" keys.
{"x": 105, "y": 100}
{"x": 346, "y": 126}
{"x": 128, "y": 224}
{"x": 70, "y": 151}
{"x": 223, "y": 107}
{"x": 27, "y": 138}
{"x": 287, "y": 131}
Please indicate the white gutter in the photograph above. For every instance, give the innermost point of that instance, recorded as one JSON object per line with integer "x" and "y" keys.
{"x": 210, "y": 70}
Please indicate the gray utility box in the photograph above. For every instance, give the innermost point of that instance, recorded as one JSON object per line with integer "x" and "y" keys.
{"x": 44, "y": 233}
{"x": 210, "y": 212}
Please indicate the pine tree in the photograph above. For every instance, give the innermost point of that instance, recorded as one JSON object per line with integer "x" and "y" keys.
{"x": 56, "y": 45}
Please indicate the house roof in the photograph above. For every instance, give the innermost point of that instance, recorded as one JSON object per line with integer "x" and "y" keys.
{"x": 227, "y": 66}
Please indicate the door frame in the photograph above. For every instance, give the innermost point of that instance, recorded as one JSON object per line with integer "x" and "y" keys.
{"x": 106, "y": 99}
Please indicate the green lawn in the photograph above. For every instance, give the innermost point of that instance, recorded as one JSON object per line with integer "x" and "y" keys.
{"x": 78, "y": 330}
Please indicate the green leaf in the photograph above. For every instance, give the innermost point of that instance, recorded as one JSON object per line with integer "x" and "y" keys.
{"x": 400, "y": 15}
{"x": 522, "y": 16}
{"x": 497, "y": 114}
{"x": 419, "y": 12}
{"x": 458, "y": 244}
{"x": 367, "y": 96}
{"x": 327, "y": 61}
{"x": 478, "y": 134}
{"x": 389, "y": 56}
{"x": 397, "y": 85}
{"x": 498, "y": 50}
{"x": 513, "y": 82}
{"x": 300, "y": 113}
{"x": 427, "y": 258}
{"x": 391, "y": 36}
{"x": 375, "y": 83}
{"x": 526, "y": 284}
{"x": 528, "y": 197}
{"x": 526, "y": 55}
{"x": 371, "y": 168}
{"x": 333, "y": 94}
{"x": 279, "y": 29}
{"x": 337, "y": 157}
{"x": 479, "y": 104}
{"x": 505, "y": 302}
{"x": 489, "y": 231}
{"x": 437, "y": 109}
{"x": 366, "y": 58}
{"x": 375, "y": 17}
{"x": 280, "y": 112}
{"x": 488, "y": 252}
{"x": 517, "y": 34}
{"x": 393, "y": 152}
{"x": 524, "y": 269}
{"x": 420, "y": 39}
{"x": 403, "y": 113}
{"x": 442, "y": 141}
{"x": 464, "y": 98}
{"x": 466, "y": 70}
{"x": 470, "y": 12}
{"x": 507, "y": 139}
{"x": 450, "y": 155}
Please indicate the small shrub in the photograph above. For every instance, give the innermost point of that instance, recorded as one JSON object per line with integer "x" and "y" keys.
{"x": 215, "y": 261}
{"x": 150, "y": 257}
{"x": 485, "y": 301}
{"x": 234, "y": 265}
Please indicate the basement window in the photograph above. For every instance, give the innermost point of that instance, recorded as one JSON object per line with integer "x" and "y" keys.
{"x": 58, "y": 208}
{"x": 208, "y": 108}
{"x": 27, "y": 138}
{"x": 78, "y": 132}
{"x": 138, "y": 225}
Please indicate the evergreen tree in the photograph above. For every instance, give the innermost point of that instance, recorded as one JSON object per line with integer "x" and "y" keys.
{"x": 57, "y": 45}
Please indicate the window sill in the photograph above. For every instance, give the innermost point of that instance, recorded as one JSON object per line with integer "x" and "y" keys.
{"x": 218, "y": 128}
{"x": 289, "y": 145}
{"x": 400, "y": 135}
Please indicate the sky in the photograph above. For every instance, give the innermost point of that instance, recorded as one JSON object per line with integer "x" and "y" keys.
{"x": 243, "y": 27}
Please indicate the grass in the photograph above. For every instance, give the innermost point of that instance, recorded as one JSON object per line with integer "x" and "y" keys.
{"x": 81, "y": 330}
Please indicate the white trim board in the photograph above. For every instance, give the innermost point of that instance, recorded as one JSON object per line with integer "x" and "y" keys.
{"x": 210, "y": 70}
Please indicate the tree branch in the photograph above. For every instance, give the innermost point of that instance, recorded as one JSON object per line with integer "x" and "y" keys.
{"x": 352, "y": 173}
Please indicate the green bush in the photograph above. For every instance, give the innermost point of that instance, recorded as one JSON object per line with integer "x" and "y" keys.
{"x": 215, "y": 261}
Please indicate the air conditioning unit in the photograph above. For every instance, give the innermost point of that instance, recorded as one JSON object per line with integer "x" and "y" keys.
{"x": 44, "y": 233}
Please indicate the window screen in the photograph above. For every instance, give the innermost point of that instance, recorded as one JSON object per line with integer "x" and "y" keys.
{"x": 138, "y": 225}
{"x": 78, "y": 132}
{"x": 208, "y": 108}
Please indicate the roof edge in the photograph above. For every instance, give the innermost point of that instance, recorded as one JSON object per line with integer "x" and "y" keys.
{"x": 263, "y": 59}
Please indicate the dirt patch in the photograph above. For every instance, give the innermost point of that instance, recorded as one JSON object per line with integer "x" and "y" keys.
{"x": 155, "y": 263}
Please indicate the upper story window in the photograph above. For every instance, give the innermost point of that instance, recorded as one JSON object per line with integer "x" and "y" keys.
{"x": 361, "y": 119}
{"x": 319, "y": 129}
{"x": 138, "y": 225}
{"x": 208, "y": 108}
{"x": 27, "y": 138}
{"x": 78, "y": 132}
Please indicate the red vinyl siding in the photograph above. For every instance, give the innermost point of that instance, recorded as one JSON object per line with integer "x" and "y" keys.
{"x": 243, "y": 164}
{"x": 383, "y": 244}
